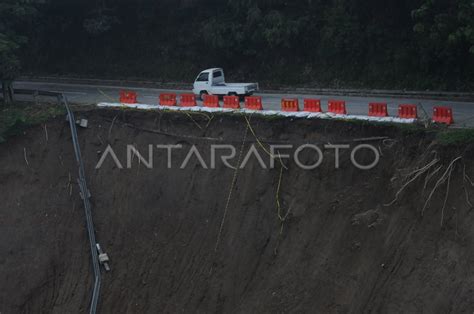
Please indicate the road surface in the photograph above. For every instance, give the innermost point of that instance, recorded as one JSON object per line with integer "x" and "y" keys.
{"x": 93, "y": 94}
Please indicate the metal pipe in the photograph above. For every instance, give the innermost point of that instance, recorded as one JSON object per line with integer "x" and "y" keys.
{"x": 87, "y": 208}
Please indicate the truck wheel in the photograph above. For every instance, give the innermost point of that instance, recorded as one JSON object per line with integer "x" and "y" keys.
{"x": 201, "y": 94}
{"x": 241, "y": 98}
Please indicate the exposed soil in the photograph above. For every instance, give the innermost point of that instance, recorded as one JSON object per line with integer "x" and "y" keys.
{"x": 338, "y": 250}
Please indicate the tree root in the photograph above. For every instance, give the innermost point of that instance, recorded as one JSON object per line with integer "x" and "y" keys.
{"x": 110, "y": 128}
{"x": 447, "y": 195}
{"x": 467, "y": 180}
{"x": 45, "y": 127}
{"x": 428, "y": 178}
{"x": 446, "y": 176}
{"x": 416, "y": 174}
{"x": 424, "y": 168}
{"x": 24, "y": 155}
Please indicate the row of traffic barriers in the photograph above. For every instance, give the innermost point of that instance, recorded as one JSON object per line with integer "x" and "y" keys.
{"x": 441, "y": 114}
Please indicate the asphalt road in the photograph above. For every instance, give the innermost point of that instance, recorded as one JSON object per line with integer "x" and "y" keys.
{"x": 92, "y": 94}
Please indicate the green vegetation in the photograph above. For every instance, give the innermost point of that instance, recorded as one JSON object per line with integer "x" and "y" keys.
{"x": 14, "y": 16}
{"x": 413, "y": 44}
{"x": 456, "y": 137}
{"x": 16, "y": 118}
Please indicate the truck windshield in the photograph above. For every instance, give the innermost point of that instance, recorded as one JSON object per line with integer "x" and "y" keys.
{"x": 203, "y": 77}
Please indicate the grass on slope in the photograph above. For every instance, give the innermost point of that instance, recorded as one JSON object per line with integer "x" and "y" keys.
{"x": 19, "y": 116}
{"x": 456, "y": 137}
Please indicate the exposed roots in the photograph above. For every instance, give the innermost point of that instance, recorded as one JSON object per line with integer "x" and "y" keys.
{"x": 45, "y": 127}
{"x": 424, "y": 168}
{"x": 428, "y": 178}
{"x": 416, "y": 174}
{"x": 111, "y": 127}
{"x": 26, "y": 158}
{"x": 446, "y": 176}
{"x": 467, "y": 181}
{"x": 447, "y": 195}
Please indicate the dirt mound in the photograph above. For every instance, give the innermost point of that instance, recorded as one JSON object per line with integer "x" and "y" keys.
{"x": 286, "y": 239}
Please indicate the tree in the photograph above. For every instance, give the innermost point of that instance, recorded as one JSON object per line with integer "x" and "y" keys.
{"x": 445, "y": 33}
{"x": 9, "y": 66}
{"x": 414, "y": 44}
{"x": 14, "y": 15}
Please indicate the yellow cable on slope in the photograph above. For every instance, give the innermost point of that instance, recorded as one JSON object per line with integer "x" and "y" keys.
{"x": 107, "y": 96}
{"x": 277, "y": 195}
{"x": 232, "y": 185}
{"x": 261, "y": 145}
{"x": 190, "y": 117}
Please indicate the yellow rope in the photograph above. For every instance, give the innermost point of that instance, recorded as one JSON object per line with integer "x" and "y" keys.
{"x": 256, "y": 137}
{"x": 107, "y": 96}
{"x": 277, "y": 196}
{"x": 261, "y": 145}
{"x": 280, "y": 178}
{"x": 202, "y": 114}
{"x": 190, "y": 117}
{"x": 209, "y": 118}
{"x": 232, "y": 185}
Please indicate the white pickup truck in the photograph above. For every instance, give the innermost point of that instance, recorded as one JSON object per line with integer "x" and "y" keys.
{"x": 212, "y": 82}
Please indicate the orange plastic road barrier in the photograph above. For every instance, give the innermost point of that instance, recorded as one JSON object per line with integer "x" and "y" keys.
{"x": 253, "y": 103}
{"x": 312, "y": 105}
{"x": 127, "y": 97}
{"x": 290, "y": 105}
{"x": 211, "y": 101}
{"x": 168, "y": 99}
{"x": 443, "y": 115}
{"x": 408, "y": 111}
{"x": 337, "y": 106}
{"x": 378, "y": 110}
{"x": 187, "y": 100}
{"x": 231, "y": 102}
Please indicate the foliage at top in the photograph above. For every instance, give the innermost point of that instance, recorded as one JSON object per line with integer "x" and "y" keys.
{"x": 14, "y": 17}
{"x": 422, "y": 44}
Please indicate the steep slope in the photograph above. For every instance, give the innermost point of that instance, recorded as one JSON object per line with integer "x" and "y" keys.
{"x": 176, "y": 246}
